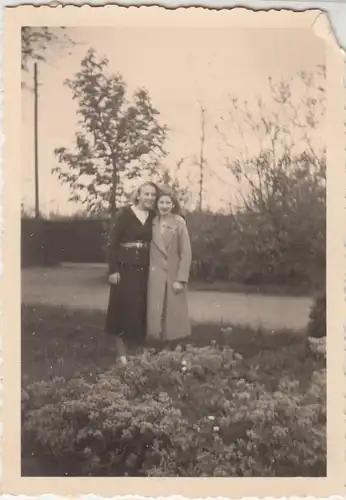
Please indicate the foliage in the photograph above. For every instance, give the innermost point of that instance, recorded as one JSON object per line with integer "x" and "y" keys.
{"x": 318, "y": 346}
{"x": 118, "y": 137}
{"x": 317, "y": 326}
{"x": 49, "y": 242}
{"x": 198, "y": 388}
{"x": 210, "y": 233}
{"x": 280, "y": 207}
{"x": 35, "y": 41}
{"x": 39, "y": 243}
{"x": 285, "y": 126}
{"x": 187, "y": 412}
{"x": 286, "y": 238}
{"x": 275, "y": 233}
{"x": 225, "y": 248}
{"x": 257, "y": 249}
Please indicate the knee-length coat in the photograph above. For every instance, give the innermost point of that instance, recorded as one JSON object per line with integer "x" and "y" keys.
{"x": 170, "y": 261}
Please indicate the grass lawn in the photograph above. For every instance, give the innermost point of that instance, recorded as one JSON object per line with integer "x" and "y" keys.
{"x": 61, "y": 342}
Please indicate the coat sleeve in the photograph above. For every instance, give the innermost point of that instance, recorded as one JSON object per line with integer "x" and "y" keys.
{"x": 185, "y": 253}
{"x": 115, "y": 238}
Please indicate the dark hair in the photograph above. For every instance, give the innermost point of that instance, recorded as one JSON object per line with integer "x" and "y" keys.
{"x": 167, "y": 191}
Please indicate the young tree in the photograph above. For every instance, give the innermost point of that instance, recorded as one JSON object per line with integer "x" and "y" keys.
{"x": 118, "y": 138}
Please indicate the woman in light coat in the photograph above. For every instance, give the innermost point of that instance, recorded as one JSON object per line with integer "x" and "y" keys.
{"x": 170, "y": 261}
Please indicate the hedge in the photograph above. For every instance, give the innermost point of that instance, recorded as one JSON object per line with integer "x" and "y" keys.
{"x": 39, "y": 243}
{"x": 49, "y": 242}
{"x": 245, "y": 249}
{"x": 317, "y": 326}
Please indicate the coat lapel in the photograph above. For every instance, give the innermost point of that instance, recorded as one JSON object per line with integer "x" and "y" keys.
{"x": 170, "y": 231}
{"x": 157, "y": 236}
{"x": 163, "y": 242}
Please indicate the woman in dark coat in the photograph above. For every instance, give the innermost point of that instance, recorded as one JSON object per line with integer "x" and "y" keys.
{"x": 129, "y": 264}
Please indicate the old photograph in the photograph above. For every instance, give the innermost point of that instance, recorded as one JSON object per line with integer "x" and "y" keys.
{"x": 172, "y": 248}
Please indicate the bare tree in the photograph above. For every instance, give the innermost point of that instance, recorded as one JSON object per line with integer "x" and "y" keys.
{"x": 201, "y": 157}
{"x": 261, "y": 138}
{"x": 277, "y": 160}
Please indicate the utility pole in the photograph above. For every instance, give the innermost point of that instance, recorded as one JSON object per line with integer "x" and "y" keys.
{"x": 37, "y": 204}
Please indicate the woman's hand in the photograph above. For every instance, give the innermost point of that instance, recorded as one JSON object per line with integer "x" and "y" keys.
{"x": 178, "y": 287}
{"x": 114, "y": 278}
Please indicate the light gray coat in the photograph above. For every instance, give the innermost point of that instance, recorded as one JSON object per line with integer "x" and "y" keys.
{"x": 170, "y": 260}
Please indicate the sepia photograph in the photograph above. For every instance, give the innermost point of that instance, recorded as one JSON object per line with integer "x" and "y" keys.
{"x": 173, "y": 251}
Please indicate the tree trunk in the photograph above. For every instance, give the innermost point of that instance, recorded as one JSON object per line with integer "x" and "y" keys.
{"x": 112, "y": 202}
{"x": 113, "y": 196}
{"x": 201, "y": 159}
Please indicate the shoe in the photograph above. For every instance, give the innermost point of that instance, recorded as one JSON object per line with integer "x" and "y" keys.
{"x": 120, "y": 347}
{"x": 123, "y": 360}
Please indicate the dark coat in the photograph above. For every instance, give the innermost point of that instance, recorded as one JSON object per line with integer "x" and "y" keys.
{"x": 127, "y": 228}
{"x": 126, "y": 313}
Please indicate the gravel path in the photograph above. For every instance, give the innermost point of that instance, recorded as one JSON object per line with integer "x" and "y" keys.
{"x": 80, "y": 286}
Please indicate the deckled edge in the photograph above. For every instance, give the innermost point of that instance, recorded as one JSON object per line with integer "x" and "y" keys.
{"x": 2, "y": 222}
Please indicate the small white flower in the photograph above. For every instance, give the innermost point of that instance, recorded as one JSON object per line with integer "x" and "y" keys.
{"x": 216, "y": 428}
{"x": 183, "y": 362}
{"x": 184, "y": 369}
{"x": 211, "y": 418}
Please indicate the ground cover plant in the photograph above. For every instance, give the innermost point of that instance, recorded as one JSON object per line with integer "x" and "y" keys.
{"x": 232, "y": 402}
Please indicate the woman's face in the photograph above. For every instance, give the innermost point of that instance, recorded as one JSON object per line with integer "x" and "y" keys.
{"x": 165, "y": 205}
{"x": 146, "y": 196}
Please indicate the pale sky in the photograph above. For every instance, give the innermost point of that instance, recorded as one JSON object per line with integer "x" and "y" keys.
{"x": 176, "y": 66}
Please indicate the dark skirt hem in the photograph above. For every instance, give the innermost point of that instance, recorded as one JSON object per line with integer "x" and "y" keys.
{"x": 127, "y": 306}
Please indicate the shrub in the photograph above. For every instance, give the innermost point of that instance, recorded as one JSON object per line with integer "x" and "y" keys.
{"x": 317, "y": 326}
{"x": 39, "y": 243}
{"x": 244, "y": 248}
{"x": 189, "y": 412}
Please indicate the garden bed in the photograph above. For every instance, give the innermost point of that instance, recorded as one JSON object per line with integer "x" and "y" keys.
{"x": 233, "y": 402}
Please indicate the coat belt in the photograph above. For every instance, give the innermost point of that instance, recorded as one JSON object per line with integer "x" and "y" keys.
{"x": 135, "y": 244}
